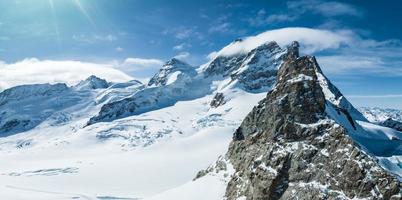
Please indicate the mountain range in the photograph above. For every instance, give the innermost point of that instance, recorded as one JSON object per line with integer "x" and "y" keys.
{"x": 258, "y": 121}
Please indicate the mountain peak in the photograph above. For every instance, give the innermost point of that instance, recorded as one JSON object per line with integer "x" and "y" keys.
{"x": 291, "y": 147}
{"x": 172, "y": 68}
{"x": 93, "y": 82}
{"x": 174, "y": 62}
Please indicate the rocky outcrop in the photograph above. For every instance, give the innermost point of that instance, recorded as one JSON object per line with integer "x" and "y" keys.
{"x": 218, "y": 100}
{"x": 392, "y": 124}
{"x": 254, "y": 71}
{"x": 288, "y": 147}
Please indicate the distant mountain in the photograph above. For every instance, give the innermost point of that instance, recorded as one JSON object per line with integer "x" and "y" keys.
{"x": 177, "y": 81}
{"x": 22, "y": 108}
{"x": 92, "y": 82}
{"x": 381, "y": 114}
{"x": 387, "y": 117}
{"x": 397, "y": 125}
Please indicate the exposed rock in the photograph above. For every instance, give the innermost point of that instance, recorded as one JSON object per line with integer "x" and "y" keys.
{"x": 392, "y": 124}
{"x": 254, "y": 71}
{"x": 289, "y": 148}
{"x": 14, "y": 125}
{"x": 218, "y": 100}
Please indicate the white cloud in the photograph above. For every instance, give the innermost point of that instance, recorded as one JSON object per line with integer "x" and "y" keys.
{"x": 275, "y": 18}
{"x": 328, "y": 9}
{"x": 262, "y": 19}
{"x": 181, "y": 46}
{"x": 183, "y": 32}
{"x": 295, "y": 10}
{"x": 119, "y": 49}
{"x": 32, "y": 71}
{"x": 312, "y": 40}
{"x": 212, "y": 55}
{"x": 94, "y": 38}
{"x": 221, "y": 28}
{"x": 142, "y": 62}
{"x": 141, "y": 68}
{"x": 369, "y": 63}
{"x": 182, "y": 55}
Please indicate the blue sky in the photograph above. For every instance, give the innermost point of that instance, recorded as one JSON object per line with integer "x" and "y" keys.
{"x": 137, "y": 36}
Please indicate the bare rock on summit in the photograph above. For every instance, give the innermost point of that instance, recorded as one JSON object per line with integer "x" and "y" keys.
{"x": 289, "y": 148}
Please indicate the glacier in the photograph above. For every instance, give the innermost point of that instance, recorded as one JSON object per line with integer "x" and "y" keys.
{"x": 99, "y": 139}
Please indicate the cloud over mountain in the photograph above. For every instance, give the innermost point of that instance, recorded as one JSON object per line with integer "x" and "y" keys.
{"x": 32, "y": 71}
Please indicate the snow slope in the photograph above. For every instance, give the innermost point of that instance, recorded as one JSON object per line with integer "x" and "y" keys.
{"x": 383, "y": 143}
{"x": 109, "y": 159}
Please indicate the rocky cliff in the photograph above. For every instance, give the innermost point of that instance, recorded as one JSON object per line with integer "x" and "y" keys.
{"x": 290, "y": 146}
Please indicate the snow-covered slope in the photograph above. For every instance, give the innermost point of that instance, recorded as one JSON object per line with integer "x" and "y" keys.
{"x": 44, "y": 105}
{"x": 293, "y": 146}
{"x": 161, "y": 146}
{"x": 177, "y": 81}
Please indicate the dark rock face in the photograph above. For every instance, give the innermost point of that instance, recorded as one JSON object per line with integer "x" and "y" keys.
{"x": 254, "y": 71}
{"x": 392, "y": 124}
{"x": 14, "y": 124}
{"x": 218, "y": 100}
{"x": 287, "y": 148}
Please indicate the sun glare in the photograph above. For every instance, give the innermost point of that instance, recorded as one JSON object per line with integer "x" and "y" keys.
{"x": 83, "y": 11}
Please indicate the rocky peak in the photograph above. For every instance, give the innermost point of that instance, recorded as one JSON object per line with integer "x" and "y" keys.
{"x": 288, "y": 147}
{"x": 254, "y": 71}
{"x": 293, "y": 50}
{"x": 92, "y": 82}
{"x": 169, "y": 72}
{"x": 224, "y": 65}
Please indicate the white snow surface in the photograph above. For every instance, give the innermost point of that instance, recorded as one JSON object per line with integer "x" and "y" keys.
{"x": 133, "y": 157}
{"x": 154, "y": 154}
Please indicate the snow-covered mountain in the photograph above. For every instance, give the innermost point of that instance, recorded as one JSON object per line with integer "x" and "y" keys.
{"x": 387, "y": 117}
{"x": 100, "y": 140}
{"x": 381, "y": 114}
{"x": 302, "y": 142}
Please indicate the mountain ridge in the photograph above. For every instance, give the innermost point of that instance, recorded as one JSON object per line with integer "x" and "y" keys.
{"x": 288, "y": 146}
{"x": 138, "y": 124}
